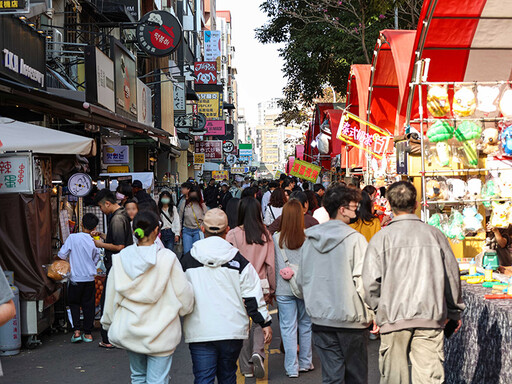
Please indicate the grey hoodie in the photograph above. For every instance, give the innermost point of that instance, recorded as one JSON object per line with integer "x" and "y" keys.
{"x": 330, "y": 276}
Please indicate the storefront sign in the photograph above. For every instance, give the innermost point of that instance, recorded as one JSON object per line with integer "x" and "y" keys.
{"x": 228, "y": 146}
{"x": 212, "y": 49}
{"x": 305, "y": 170}
{"x": 212, "y": 149}
{"x": 371, "y": 138}
{"x": 14, "y": 6}
{"x": 99, "y": 78}
{"x": 144, "y": 105}
{"x": 199, "y": 158}
{"x": 215, "y": 127}
{"x": 205, "y": 72}
{"x": 166, "y": 101}
{"x": 220, "y": 175}
{"x": 239, "y": 170}
{"x": 159, "y": 33}
{"x": 116, "y": 154}
{"x": 210, "y": 104}
{"x": 180, "y": 101}
{"x": 231, "y": 159}
{"x": 125, "y": 71}
{"x": 16, "y": 174}
{"x": 23, "y": 62}
{"x": 245, "y": 150}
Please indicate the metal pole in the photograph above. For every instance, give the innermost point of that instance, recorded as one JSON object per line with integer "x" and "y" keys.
{"x": 396, "y": 17}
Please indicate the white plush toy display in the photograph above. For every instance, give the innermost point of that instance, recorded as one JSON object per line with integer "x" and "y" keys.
{"x": 506, "y": 103}
{"x": 474, "y": 188}
{"x": 487, "y": 98}
{"x": 457, "y": 188}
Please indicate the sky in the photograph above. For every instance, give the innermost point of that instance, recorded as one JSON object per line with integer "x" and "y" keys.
{"x": 259, "y": 66}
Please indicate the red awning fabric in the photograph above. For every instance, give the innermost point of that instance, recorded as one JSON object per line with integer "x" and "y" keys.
{"x": 466, "y": 40}
{"x": 289, "y": 165}
{"x": 389, "y": 80}
{"x": 311, "y": 152}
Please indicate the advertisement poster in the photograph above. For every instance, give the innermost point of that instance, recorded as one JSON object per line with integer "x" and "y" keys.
{"x": 215, "y": 127}
{"x": 304, "y": 170}
{"x": 210, "y": 104}
{"x": 15, "y": 174}
{"x": 212, "y": 149}
{"x": 125, "y": 71}
{"x": 205, "y": 72}
{"x": 220, "y": 175}
{"x": 212, "y": 41}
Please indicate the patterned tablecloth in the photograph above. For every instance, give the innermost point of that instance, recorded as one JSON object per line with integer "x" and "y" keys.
{"x": 481, "y": 353}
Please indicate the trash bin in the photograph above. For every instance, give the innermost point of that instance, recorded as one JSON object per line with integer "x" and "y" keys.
{"x": 10, "y": 333}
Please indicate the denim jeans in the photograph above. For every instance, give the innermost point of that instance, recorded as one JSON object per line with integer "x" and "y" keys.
{"x": 149, "y": 369}
{"x": 190, "y": 236}
{"x": 168, "y": 238}
{"x": 293, "y": 317}
{"x": 215, "y": 359}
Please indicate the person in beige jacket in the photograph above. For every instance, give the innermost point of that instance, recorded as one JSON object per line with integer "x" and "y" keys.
{"x": 146, "y": 293}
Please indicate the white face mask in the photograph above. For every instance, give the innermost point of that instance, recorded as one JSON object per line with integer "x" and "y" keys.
{"x": 119, "y": 196}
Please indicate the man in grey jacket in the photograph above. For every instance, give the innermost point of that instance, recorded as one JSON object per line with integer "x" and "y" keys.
{"x": 330, "y": 279}
{"x": 411, "y": 279}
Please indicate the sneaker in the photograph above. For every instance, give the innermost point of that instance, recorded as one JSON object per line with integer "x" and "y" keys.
{"x": 292, "y": 375}
{"x": 303, "y": 370}
{"x": 248, "y": 375}
{"x": 259, "y": 369}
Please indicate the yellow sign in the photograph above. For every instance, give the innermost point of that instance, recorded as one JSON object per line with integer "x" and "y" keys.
{"x": 118, "y": 169}
{"x": 198, "y": 158}
{"x": 210, "y": 104}
{"x": 278, "y": 174}
{"x": 304, "y": 170}
{"x": 220, "y": 175}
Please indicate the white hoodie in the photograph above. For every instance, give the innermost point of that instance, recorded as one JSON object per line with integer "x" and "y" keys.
{"x": 227, "y": 289}
{"x": 146, "y": 293}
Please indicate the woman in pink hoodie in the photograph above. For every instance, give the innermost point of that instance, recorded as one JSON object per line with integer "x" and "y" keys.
{"x": 256, "y": 245}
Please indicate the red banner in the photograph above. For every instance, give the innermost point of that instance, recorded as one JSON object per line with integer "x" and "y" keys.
{"x": 205, "y": 72}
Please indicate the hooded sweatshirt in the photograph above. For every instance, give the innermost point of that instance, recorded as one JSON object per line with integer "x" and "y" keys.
{"x": 146, "y": 293}
{"x": 227, "y": 291}
{"x": 330, "y": 276}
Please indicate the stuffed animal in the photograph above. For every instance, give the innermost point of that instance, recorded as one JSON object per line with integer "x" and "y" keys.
{"x": 433, "y": 189}
{"x": 439, "y": 221}
{"x": 490, "y": 140}
{"x": 464, "y": 102}
{"x": 506, "y": 103}
{"x": 474, "y": 188}
{"x": 487, "y": 96}
{"x": 500, "y": 214}
{"x": 437, "y": 101}
{"x": 489, "y": 190}
{"x": 506, "y": 140}
{"x": 440, "y": 132}
{"x": 466, "y": 132}
{"x": 457, "y": 188}
{"x": 455, "y": 229}
{"x": 506, "y": 185}
{"x": 443, "y": 153}
{"x": 472, "y": 220}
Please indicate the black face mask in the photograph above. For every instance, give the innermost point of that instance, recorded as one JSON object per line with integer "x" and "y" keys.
{"x": 353, "y": 220}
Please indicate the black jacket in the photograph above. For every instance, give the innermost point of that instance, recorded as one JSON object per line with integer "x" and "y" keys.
{"x": 224, "y": 199}
{"x": 211, "y": 195}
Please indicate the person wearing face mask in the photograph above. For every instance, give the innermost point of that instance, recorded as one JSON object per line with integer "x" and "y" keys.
{"x": 123, "y": 193}
{"x": 366, "y": 222}
{"x": 192, "y": 215}
{"x": 171, "y": 226}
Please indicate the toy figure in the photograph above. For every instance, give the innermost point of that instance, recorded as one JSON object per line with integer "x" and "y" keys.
{"x": 506, "y": 140}
{"x": 500, "y": 215}
{"x": 487, "y": 98}
{"x": 457, "y": 188}
{"x": 440, "y": 132}
{"x": 437, "y": 101}
{"x": 489, "y": 190}
{"x": 466, "y": 132}
{"x": 474, "y": 188}
{"x": 455, "y": 226}
{"x": 490, "y": 140}
{"x": 433, "y": 189}
{"x": 464, "y": 102}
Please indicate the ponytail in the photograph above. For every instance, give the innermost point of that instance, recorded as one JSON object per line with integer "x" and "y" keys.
{"x": 144, "y": 224}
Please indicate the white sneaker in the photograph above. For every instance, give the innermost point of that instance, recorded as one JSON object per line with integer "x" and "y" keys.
{"x": 259, "y": 369}
{"x": 248, "y": 375}
{"x": 292, "y": 375}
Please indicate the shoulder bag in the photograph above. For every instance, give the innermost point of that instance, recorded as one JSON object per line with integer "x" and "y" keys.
{"x": 201, "y": 234}
{"x": 293, "y": 279}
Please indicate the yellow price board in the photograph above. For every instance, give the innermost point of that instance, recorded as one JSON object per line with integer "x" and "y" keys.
{"x": 199, "y": 158}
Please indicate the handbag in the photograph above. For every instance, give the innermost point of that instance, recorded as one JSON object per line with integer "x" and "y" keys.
{"x": 201, "y": 233}
{"x": 293, "y": 280}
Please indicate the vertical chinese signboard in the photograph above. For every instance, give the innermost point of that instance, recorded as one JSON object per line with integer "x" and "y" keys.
{"x": 205, "y": 72}
{"x": 16, "y": 173}
{"x": 210, "y": 104}
{"x": 212, "y": 149}
{"x": 304, "y": 170}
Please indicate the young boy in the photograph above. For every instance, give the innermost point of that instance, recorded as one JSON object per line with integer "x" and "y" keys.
{"x": 83, "y": 257}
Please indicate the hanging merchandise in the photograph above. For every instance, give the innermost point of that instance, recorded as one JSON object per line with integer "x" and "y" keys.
{"x": 455, "y": 229}
{"x": 490, "y": 141}
{"x": 440, "y": 132}
{"x": 500, "y": 217}
{"x": 472, "y": 220}
{"x": 489, "y": 190}
{"x": 437, "y": 189}
{"x": 440, "y": 221}
{"x": 506, "y": 103}
{"x": 487, "y": 98}
{"x": 438, "y": 103}
{"x": 464, "y": 102}
{"x": 506, "y": 140}
{"x": 474, "y": 188}
{"x": 505, "y": 183}
{"x": 466, "y": 133}
{"x": 457, "y": 188}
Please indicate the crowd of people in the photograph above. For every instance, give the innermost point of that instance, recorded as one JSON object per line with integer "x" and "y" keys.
{"x": 340, "y": 264}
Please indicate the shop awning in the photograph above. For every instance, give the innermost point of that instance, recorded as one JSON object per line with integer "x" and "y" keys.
{"x": 18, "y": 136}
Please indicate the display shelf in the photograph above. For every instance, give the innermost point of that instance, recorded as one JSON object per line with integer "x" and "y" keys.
{"x": 463, "y": 201}
{"x": 460, "y": 120}
{"x": 468, "y": 170}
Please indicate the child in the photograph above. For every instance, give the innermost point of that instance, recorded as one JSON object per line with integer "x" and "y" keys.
{"x": 83, "y": 257}
{"x": 146, "y": 293}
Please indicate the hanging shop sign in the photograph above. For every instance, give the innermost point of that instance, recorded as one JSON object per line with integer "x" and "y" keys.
{"x": 199, "y": 158}
{"x": 210, "y": 104}
{"x": 25, "y": 63}
{"x": 371, "y": 138}
{"x": 14, "y": 6}
{"x": 99, "y": 78}
{"x": 212, "y": 49}
{"x": 239, "y": 170}
{"x": 220, "y": 175}
{"x": 166, "y": 101}
{"x": 180, "y": 101}
{"x": 125, "y": 78}
{"x": 228, "y": 146}
{"x": 205, "y": 72}
{"x": 304, "y": 170}
{"x": 245, "y": 150}
{"x": 215, "y": 127}
{"x": 231, "y": 160}
{"x": 212, "y": 149}
{"x": 144, "y": 105}
{"x": 16, "y": 173}
{"x": 116, "y": 154}
{"x": 159, "y": 33}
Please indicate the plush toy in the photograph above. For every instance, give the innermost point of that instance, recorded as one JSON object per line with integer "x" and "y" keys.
{"x": 489, "y": 190}
{"x": 490, "y": 140}
{"x": 439, "y": 221}
{"x": 437, "y": 101}
{"x": 443, "y": 153}
{"x": 487, "y": 98}
{"x": 455, "y": 228}
{"x": 466, "y": 132}
{"x": 457, "y": 188}
{"x": 433, "y": 189}
{"x": 464, "y": 102}
{"x": 506, "y": 103}
{"x": 506, "y": 140}
{"x": 474, "y": 188}
{"x": 472, "y": 220}
{"x": 500, "y": 214}
{"x": 505, "y": 184}
{"x": 440, "y": 132}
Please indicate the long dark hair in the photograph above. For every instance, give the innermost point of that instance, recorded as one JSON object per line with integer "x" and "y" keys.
{"x": 365, "y": 212}
{"x": 171, "y": 203}
{"x": 249, "y": 215}
{"x": 291, "y": 230}
{"x": 197, "y": 190}
{"x": 312, "y": 200}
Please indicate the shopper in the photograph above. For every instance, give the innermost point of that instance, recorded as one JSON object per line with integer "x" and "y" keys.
{"x": 367, "y": 223}
{"x": 411, "y": 279}
{"x": 232, "y": 212}
{"x": 330, "y": 272}
{"x": 275, "y": 207}
{"x": 211, "y": 195}
{"x": 222, "y": 279}
{"x": 171, "y": 224}
{"x": 288, "y": 184}
{"x": 124, "y": 192}
{"x": 139, "y": 193}
{"x": 293, "y": 319}
{"x": 224, "y": 196}
{"x": 119, "y": 236}
{"x": 312, "y": 202}
{"x": 266, "y": 197}
{"x": 146, "y": 293}
{"x": 185, "y": 190}
{"x": 235, "y": 190}
{"x": 83, "y": 257}
{"x": 309, "y": 221}
{"x": 255, "y": 243}
{"x": 132, "y": 208}
{"x": 192, "y": 214}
